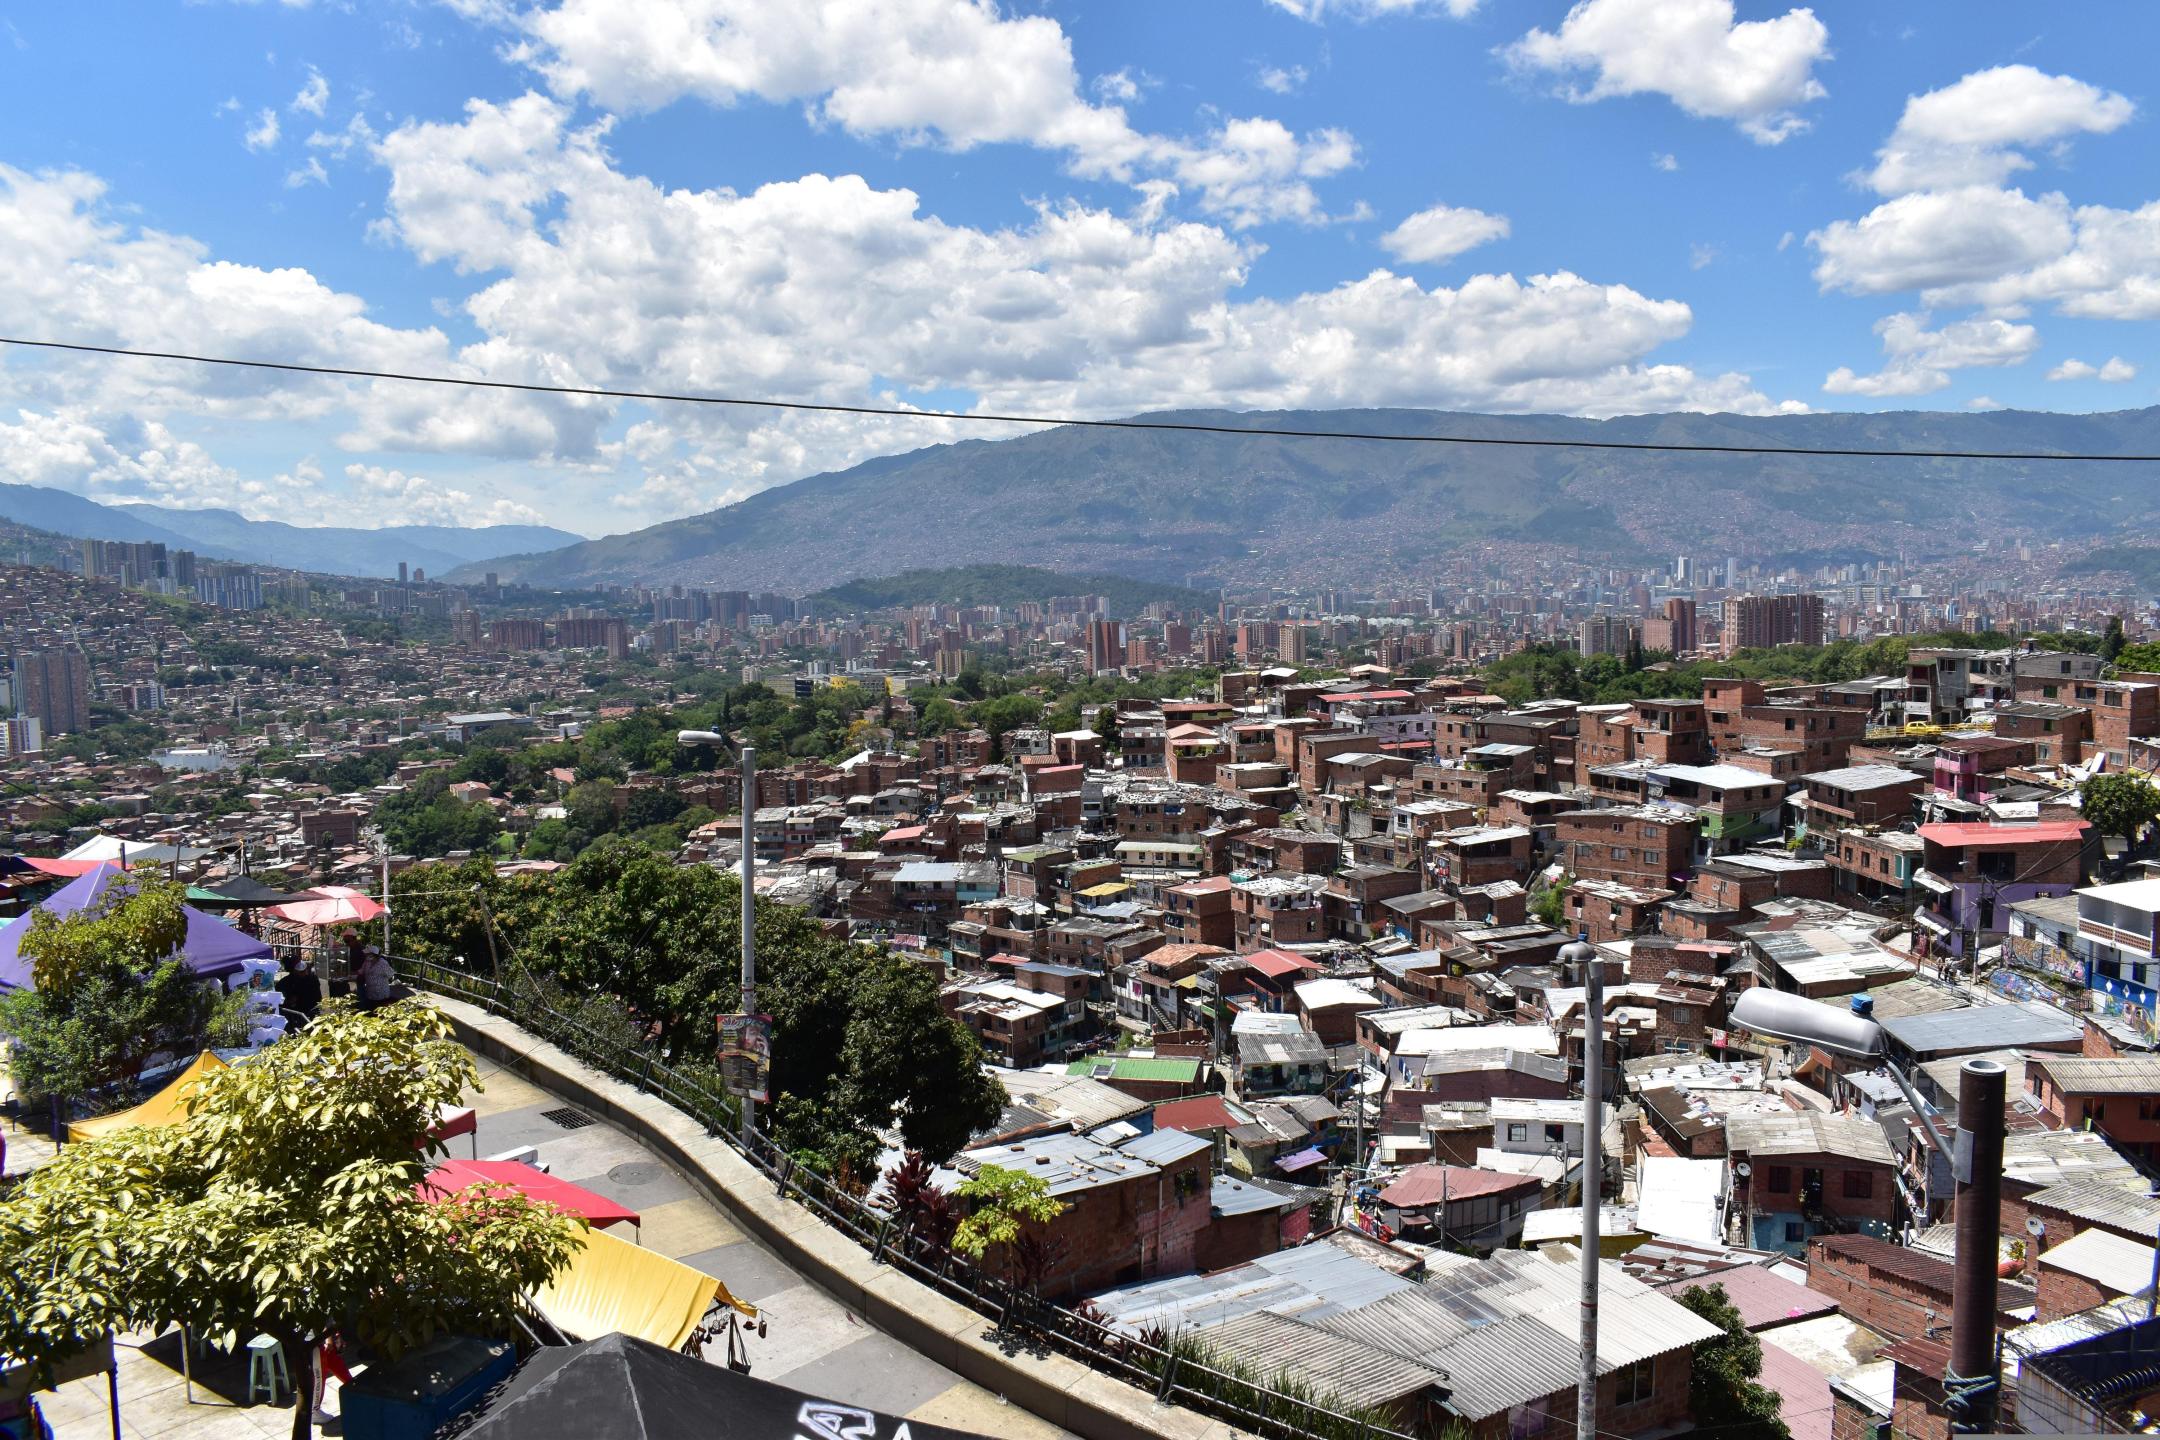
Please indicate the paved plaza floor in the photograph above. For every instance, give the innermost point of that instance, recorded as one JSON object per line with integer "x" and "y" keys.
{"x": 812, "y": 1342}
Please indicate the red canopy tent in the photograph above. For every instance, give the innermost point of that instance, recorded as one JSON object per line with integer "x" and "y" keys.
{"x": 449, "y": 1177}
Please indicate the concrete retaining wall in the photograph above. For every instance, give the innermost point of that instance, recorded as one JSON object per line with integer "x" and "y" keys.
{"x": 1060, "y": 1390}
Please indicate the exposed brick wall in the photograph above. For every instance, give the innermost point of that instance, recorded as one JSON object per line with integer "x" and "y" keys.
{"x": 1917, "y": 1413}
{"x": 2062, "y": 1293}
{"x": 1896, "y": 1306}
{"x": 1553, "y": 1417}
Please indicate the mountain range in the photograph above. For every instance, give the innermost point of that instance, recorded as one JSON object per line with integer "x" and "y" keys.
{"x": 1265, "y": 506}
{"x": 225, "y": 535}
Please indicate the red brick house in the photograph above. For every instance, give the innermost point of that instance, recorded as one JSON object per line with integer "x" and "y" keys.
{"x": 1646, "y": 847}
{"x": 1900, "y": 1291}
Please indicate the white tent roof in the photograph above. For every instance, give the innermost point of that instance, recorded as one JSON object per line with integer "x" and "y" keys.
{"x": 106, "y": 847}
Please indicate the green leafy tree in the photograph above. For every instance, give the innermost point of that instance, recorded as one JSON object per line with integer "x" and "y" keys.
{"x": 2112, "y": 639}
{"x": 108, "y": 993}
{"x": 1549, "y": 906}
{"x": 2142, "y": 658}
{"x": 860, "y": 1042}
{"x": 2120, "y": 804}
{"x": 1001, "y": 1204}
{"x": 425, "y": 820}
{"x": 1725, "y": 1396}
{"x": 591, "y": 807}
{"x": 287, "y": 1204}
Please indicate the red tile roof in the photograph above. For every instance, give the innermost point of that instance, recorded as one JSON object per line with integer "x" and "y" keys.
{"x": 1982, "y": 834}
{"x": 1202, "y": 1112}
{"x": 1277, "y": 963}
{"x": 1422, "y": 1185}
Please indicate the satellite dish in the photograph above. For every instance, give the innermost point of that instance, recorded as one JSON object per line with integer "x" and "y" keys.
{"x": 2035, "y": 1226}
{"x": 1743, "y": 1170}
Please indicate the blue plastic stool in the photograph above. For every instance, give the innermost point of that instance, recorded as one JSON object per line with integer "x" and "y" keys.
{"x": 266, "y": 1369}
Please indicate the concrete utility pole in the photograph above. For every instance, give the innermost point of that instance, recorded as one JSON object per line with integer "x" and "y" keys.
{"x": 749, "y": 914}
{"x": 1583, "y": 953}
{"x": 1977, "y": 1159}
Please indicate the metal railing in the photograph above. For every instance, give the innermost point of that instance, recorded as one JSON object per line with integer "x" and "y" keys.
{"x": 1173, "y": 1376}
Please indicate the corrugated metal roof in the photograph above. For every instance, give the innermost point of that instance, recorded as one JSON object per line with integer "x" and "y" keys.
{"x": 2128, "y": 1075}
{"x": 2102, "y": 1203}
{"x": 1807, "y": 1133}
{"x": 2049, "y": 1157}
{"x": 1411, "y": 1322}
{"x": 2105, "y": 1258}
{"x": 1235, "y": 1197}
{"x": 2045, "y": 1335}
{"x": 1126, "y": 1067}
{"x": 1983, "y": 1027}
{"x": 1309, "y": 1282}
{"x": 1351, "y": 1370}
{"x": 1164, "y": 1147}
{"x": 1529, "y": 1347}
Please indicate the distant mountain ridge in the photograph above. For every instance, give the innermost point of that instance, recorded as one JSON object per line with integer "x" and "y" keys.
{"x": 226, "y": 535}
{"x": 1204, "y": 508}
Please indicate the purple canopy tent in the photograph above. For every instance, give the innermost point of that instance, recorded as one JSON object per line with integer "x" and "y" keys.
{"x": 212, "y": 949}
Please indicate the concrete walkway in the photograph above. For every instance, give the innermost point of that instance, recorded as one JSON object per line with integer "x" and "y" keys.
{"x": 812, "y": 1342}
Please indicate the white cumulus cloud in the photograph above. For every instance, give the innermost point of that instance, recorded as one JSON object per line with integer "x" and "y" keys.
{"x": 263, "y": 134}
{"x": 396, "y": 498}
{"x": 1940, "y": 238}
{"x": 952, "y": 73}
{"x": 2114, "y": 372}
{"x": 314, "y": 96}
{"x": 1696, "y": 53}
{"x": 1971, "y": 132}
{"x": 1318, "y": 10}
{"x": 1441, "y": 233}
{"x": 1918, "y": 360}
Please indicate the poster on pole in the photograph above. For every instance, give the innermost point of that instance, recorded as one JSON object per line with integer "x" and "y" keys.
{"x": 746, "y": 1055}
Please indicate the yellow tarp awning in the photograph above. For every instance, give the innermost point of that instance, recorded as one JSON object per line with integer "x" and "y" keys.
{"x": 167, "y": 1107}
{"x": 1108, "y": 887}
{"x": 612, "y": 1285}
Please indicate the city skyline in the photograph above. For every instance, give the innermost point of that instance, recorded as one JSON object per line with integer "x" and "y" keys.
{"x": 1447, "y": 205}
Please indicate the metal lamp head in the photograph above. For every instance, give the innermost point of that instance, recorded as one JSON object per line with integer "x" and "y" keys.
{"x": 1577, "y": 952}
{"x": 1808, "y": 1022}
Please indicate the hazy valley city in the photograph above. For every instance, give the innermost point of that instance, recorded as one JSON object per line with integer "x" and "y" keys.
{"x": 922, "y": 719}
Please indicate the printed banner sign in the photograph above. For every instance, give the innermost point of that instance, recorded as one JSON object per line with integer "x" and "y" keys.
{"x": 746, "y": 1055}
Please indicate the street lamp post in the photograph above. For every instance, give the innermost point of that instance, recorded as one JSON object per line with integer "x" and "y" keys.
{"x": 748, "y": 862}
{"x": 1583, "y": 953}
{"x": 1976, "y": 1161}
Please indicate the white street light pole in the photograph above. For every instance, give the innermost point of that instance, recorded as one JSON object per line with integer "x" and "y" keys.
{"x": 1976, "y": 1162}
{"x": 747, "y": 863}
{"x": 1583, "y": 953}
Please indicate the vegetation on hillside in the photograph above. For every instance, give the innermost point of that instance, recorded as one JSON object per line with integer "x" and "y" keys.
{"x": 860, "y": 1044}
{"x": 1002, "y": 585}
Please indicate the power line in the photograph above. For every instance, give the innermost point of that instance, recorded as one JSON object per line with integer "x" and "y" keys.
{"x": 987, "y": 418}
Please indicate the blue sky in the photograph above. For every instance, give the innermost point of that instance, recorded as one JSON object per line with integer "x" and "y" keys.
{"x": 1622, "y": 206}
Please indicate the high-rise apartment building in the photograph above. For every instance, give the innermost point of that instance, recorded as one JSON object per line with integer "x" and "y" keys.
{"x": 1606, "y": 635}
{"x": 1105, "y": 645}
{"x": 1759, "y": 622}
{"x": 53, "y": 687}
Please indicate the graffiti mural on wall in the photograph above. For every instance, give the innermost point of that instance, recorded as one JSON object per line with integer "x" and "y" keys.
{"x": 2031, "y": 953}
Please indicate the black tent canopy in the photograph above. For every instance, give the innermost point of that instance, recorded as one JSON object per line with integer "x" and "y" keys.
{"x": 619, "y": 1388}
{"x": 241, "y": 892}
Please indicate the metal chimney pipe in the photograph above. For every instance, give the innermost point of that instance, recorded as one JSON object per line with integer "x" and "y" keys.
{"x": 1978, "y": 1166}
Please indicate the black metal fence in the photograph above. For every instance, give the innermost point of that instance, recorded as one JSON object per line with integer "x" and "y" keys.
{"x": 1171, "y": 1372}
